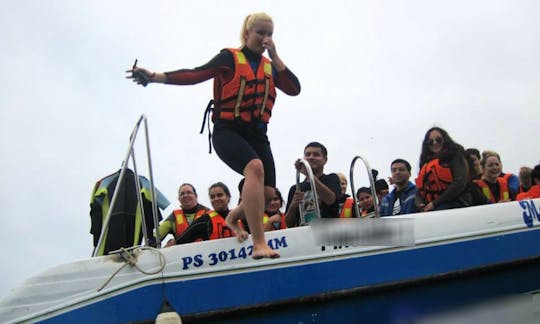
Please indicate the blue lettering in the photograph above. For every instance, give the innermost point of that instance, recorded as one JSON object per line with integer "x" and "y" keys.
{"x": 242, "y": 254}
{"x": 529, "y": 210}
{"x": 213, "y": 259}
{"x": 187, "y": 261}
{"x": 276, "y": 243}
{"x": 222, "y": 256}
{"x": 198, "y": 260}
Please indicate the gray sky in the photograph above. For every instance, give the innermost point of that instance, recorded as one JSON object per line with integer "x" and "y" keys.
{"x": 375, "y": 76}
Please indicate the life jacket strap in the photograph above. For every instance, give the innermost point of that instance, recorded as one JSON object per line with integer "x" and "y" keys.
{"x": 241, "y": 91}
{"x": 266, "y": 91}
{"x": 206, "y": 118}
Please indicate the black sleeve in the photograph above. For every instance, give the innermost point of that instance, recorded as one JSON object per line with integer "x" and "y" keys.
{"x": 332, "y": 182}
{"x": 199, "y": 229}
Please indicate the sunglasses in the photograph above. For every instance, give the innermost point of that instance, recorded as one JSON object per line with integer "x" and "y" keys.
{"x": 436, "y": 140}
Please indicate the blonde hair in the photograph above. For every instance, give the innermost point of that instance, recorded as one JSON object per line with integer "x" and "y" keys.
{"x": 342, "y": 177}
{"x": 249, "y": 21}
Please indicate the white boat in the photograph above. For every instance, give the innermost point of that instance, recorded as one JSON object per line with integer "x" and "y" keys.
{"x": 219, "y": 276}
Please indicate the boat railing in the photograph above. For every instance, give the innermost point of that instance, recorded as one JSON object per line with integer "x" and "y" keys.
{"x": 308, "y": 215}
{"x": 372, "y": 184}
{"x": 131, "y": 155}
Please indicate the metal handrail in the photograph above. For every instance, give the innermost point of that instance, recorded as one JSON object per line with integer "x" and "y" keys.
{"x": 311, "y": 180}
{"x": 130, "y": 153}
{"x": 371, "y": 181}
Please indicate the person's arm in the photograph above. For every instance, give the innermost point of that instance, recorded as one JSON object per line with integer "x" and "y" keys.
{"x": 292, "y": 210}
{"x": 222, "y": 64}
{"x": 167, "y": 226}
{"x": 327, "y": 194}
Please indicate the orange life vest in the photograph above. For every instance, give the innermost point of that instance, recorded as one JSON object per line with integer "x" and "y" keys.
{"x": 534, "y": 192}
{"x": 346, "y": 210}
{"x": 433, "y": 180}
{"x": 282, "y": 222}
{"x": 219, "y": 226}
{"x": 181, "y": 219}
{"x": 248, "y": 95}
{"x": 504, "y": 192}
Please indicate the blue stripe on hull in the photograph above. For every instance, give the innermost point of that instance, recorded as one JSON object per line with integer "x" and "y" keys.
{"x": 251, "y": 288}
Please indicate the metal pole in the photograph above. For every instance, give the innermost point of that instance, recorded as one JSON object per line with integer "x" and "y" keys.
{"x": 139, "y": 197}
{"x": 154, "y": 194}
{"x": 371, "y": 181}
{"x": 105, "y": 226}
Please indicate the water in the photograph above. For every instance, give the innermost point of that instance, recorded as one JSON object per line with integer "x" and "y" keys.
{"x": 408, "y": 304}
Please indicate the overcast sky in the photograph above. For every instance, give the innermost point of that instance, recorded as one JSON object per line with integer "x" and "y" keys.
{"x": 375, "y": 76}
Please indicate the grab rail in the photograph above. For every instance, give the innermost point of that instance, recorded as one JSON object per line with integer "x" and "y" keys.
{"x": 303, "y": 219}
{"x": 131, "y": 154}
{"x": 371, "y": 181}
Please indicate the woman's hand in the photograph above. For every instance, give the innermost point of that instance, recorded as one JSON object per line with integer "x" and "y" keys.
{"x": 428, "y": 207}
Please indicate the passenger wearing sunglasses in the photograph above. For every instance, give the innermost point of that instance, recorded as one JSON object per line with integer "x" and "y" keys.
{"x": 444, "y": 177}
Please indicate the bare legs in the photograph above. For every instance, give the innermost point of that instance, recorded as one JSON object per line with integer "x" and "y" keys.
{"x": 252, "y": 208}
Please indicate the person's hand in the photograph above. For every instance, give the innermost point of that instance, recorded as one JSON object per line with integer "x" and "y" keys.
{"x": 171, "y": 242}
{"x": 428, "y": 207}
{"x": 300, "y": 167}
{"x": 268, "y": 43}
{"x": 140, "y": 75}
{"x": 297, "y": 199}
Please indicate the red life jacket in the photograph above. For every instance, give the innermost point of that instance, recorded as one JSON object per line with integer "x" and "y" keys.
{"x": 181, "y": 219}
{"x": 432, "y": 180}
{"x": 504, "y": 192}
{"x": 346, "y": 210}
{"x": 248, "y": 95}
{"x": 219, "y": 226}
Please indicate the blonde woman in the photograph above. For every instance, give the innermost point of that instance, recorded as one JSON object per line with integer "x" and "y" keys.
{"x": 245, "y": 83}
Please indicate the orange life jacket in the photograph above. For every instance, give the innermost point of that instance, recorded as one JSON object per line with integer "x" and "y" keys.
{"x": 504, "y": 192}
{"x": 346, "y": 210}
{"x": 219, "y": 226}
{"x": 248, "y": 95}
{"x": 181, "y": 219}
{"x": 282, "y": 222}
{"x": 534, "y": 192}
{"x": 432, "y": 180}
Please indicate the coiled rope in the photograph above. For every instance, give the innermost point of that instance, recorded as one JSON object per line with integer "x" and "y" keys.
{"x": 130, "y": 258}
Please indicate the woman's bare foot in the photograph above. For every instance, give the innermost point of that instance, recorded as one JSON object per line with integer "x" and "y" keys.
{"x": 241, "y": 235}
{"x": 263, "y": 251}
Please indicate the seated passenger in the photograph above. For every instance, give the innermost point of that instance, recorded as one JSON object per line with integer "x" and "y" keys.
{"x": 274, "y": 219}
{"x": 381, "y": 186}
{"x": 211, "y": 225}
{"x": 534, "y": 191}
{"x": 511, "y": 179}
{"x": 525, "y": 179}
{"x": 179, "y": 220}
{"x": 401, "y": 199}
{"x": 327, "y": 186}
{"x": 346, "y": 202}
{"x": 474, "y": 156}
{"x": 495, "y": 188}
{"x": 444, "y": 175}
{"x": 366, "y": 204}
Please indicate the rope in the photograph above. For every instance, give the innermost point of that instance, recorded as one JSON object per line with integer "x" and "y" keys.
{"x": 130, "y": 258}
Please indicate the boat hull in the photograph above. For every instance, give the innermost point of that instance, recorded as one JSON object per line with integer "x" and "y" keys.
{"x": 219, "y": 276}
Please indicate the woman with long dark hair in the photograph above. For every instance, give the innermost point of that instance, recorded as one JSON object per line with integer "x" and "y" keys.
{"x": 444, "y": 177}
